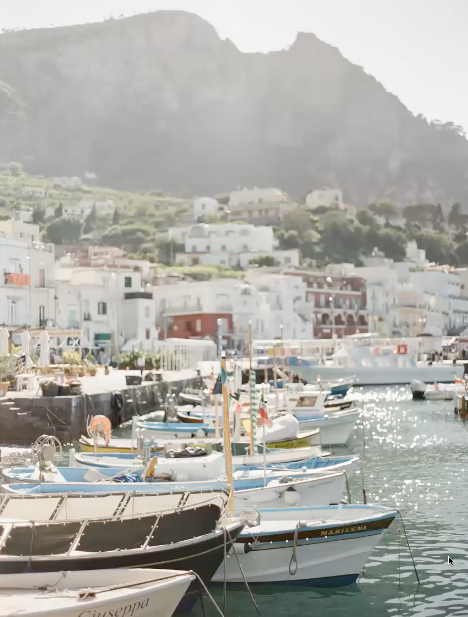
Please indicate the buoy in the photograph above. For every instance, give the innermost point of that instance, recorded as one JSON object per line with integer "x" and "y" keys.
{"x": 291, "y": 497}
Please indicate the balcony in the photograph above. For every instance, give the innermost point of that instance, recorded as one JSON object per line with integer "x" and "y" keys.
{"x": 87, "y": 316}
{"x": 17, "y": 279}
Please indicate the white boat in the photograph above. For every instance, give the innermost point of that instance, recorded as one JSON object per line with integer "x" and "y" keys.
{"x": 132, "y": 461}
{"x": 374, "y": 366}
{"x": 93, "y": 593}
{"x": 279, "y": 491}
{"x": 437, "y": 392}
{"x": 318, "y": 546}
{"x": 335, "y": 428}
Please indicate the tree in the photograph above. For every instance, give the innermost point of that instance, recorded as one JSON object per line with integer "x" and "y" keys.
{"x": 15, "y": 169}
{"x": 455, "y": 215}
{"x": 419, "y": 213}
{"x": 58, "y": 212}
{"x": 297, "y": 220}
{"x": 366, "y": 217}
{"x": 130, "y": 236}
{"x": 116, "y": 217}
{"x": 392, "y": 242}
{"x": 439, "y": 247}
{"x": 38, "y": 215}
{"x": 342, "y": 237}
{"x": 90, "y": 221}
{"x": 264, "y": 260}
{"x": 438, "y": 218}
{"x": 64, "y": 231}
{"x": 385, "y": 208}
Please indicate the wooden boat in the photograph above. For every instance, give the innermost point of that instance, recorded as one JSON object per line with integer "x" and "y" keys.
{"x": 115, "y": 445}
{"x": 66, "y": 534}
{"x": 324, "y": 546}
{"x": 280, "y": 491}
{"x": 91, "y": 593}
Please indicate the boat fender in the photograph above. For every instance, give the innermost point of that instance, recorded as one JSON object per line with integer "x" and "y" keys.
{"x": 182, "y": 477}
{"x": 201, "y": 433}
{"x": 291, "y": 497}
{"x": 242, "y": 548}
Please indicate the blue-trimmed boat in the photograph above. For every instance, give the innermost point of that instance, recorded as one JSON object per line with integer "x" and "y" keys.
{"x": 322, "y": 546}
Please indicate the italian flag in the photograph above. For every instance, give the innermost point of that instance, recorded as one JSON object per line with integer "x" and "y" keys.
{"x": 263, "y": 418}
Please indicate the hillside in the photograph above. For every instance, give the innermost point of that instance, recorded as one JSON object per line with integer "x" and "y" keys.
{"x": 159, "y": 101}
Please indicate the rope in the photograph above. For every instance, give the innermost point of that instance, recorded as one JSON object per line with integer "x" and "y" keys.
{"x": 409, "y": 547}
{"x": 224, "y": 566}
{"x": 242, "y": 573}
{"x": 294, "y": 563}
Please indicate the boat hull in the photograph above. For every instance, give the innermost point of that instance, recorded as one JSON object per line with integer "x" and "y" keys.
{"x": 380, "y": 376}
{"x": 330, "y": 556}
{"x": 335, "y": 429}
{"x": 18, "y": 591}
{"x": 203, "y": 555}
{"x": 297, "y": 442}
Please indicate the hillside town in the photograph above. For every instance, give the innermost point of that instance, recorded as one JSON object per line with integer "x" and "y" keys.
{"x": 122, "y": 301}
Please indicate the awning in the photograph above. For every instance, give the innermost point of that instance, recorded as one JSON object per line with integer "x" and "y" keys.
{"x": 103, "y": 336}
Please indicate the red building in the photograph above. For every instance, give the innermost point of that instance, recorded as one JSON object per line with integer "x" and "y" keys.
{"x": 339, "y": 304}
{"x": 199, "y": 325}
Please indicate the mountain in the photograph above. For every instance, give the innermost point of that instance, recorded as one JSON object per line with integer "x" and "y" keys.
{"x": 160, "y": 101}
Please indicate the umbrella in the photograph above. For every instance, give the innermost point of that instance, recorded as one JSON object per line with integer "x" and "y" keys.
{"x": 44, "y": 358}
{"x": 4, "y": 339}
{"x": 25, "y": 340}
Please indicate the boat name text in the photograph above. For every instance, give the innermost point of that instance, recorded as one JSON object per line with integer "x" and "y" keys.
{"x": 341, "y": 530}
{"x": 122, "y": 611}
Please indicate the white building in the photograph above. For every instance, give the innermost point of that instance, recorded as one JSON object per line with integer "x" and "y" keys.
{"x": 231, "y": 245}
{"x": 139, "y": 321}
{"x": 92, "y": 299}
{"x": 325, "y": 197}
{"x": 15, "y": 297}
{"x": 39, "y": 270}
{"x": 33, "y": 191}
{"x": 203, "y": 206}
{"x": 256, "y": 196}
{"x": 68, "y": 182}
{"x": 285, "y": 303}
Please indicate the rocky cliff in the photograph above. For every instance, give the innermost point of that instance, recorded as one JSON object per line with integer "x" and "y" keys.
{"x": 160, "y": 101}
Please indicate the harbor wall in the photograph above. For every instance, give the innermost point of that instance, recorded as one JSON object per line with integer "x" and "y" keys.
{"x": 24, "y": 419}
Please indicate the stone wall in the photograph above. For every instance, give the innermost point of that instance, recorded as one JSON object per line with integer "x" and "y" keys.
{"x": 23, "y": 420}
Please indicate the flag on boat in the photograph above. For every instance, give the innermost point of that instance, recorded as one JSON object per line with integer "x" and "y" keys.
{"x": 263, "y": 415}
{"x": 236, "y": 406}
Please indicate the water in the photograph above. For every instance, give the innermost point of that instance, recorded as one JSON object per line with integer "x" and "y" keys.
{"x": 415, "y": 457}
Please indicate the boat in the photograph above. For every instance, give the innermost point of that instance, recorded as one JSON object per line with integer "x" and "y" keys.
{"x": 240, "y": 456}
{"x": 116, "y": 444}
{"x": 279, "y": 490}
{"x": 91, "y": 593}
{"x": 437, "y": 392}
{"x": 335, "y": 428}
{"x": 374, "y": 366}
{"x": 174, "y": 430}
{"x": 323, "y": 546}
{"x": 98, "y": 532}
{"x": 302, "y": 440}
{"x": 165, "y": 469}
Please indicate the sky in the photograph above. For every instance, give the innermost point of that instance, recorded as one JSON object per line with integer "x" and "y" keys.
{"x": 416, "y": 48}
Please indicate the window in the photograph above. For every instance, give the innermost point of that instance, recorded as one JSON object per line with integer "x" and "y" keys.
{"x": 202, "y": 206}
{"x": 102, "y": 308}
{"x": 41, "y": 315}
{"x": 147, "y": 311}
{"x": 194, "y": 248}
{"x": 287, "y": 260}
{"x": 128, "y": 281}
{"x": 42, "y": 277}
{"x": 223, "y": 247}
{"x": 198, "y": 325}
{"x": 147, "y": 333}
{"x": 245, "y": 247}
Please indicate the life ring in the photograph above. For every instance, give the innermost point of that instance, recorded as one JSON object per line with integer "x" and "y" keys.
{"x": 402, "y": 349}
{"x": 100, "y": 424}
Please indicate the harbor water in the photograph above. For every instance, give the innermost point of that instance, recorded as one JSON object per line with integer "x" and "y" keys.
{"x": 415, "y": 456}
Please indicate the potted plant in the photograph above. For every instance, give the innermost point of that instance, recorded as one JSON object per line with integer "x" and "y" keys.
{"x": 8, "y": 366}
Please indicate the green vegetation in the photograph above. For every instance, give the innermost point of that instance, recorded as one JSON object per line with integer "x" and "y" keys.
{"x": 136, "y": 222}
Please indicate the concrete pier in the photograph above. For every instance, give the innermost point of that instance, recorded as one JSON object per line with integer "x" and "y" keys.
{"x": 26, "y": 415}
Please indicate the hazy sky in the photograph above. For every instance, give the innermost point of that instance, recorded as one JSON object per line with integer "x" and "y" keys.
{"x": 417, "y": 48}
